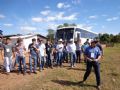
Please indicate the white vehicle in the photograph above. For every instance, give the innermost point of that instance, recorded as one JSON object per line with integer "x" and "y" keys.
{"x": 75, "y": 33}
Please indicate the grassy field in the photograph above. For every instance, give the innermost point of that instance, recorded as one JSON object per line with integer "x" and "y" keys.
{"x": 66, "y": 78}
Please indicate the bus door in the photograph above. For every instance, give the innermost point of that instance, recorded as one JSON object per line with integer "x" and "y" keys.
{"x": 77, "y": 36}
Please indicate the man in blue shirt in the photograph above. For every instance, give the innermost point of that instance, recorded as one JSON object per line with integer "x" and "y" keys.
{"x": 33, "y": 52}
{"x": 93, "y": 55}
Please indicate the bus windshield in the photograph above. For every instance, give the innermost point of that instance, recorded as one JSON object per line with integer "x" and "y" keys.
{"x": 65, "y": 34}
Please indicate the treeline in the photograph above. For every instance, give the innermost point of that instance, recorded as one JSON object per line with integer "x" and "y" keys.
{"x": 109, "y": 38}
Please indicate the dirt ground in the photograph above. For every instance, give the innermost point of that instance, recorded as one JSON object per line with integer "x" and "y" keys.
{"x": 65, "y": 78}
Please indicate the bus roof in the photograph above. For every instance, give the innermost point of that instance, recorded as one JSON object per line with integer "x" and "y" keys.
{"x": 77, "y": 27}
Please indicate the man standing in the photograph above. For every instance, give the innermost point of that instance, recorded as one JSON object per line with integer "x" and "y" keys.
{"x": 42, "y": 54}
{"x": 49, "y": 52}
{"x": 21, "y": 50}
{"x": 59, "y": 49}
{"x": 78, "y": 51}
{"x": 33, "y": 50}
{"x": 93, "y": 55}
{"x": 8, "y": 54}
{"x": 72, "y": 52}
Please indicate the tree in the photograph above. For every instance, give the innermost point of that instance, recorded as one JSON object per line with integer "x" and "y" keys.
{"x": 66, "y": 25}
{"x": 105, "y": 38}
{"x": 51, "y": 34}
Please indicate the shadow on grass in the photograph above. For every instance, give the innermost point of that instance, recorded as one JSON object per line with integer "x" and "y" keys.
{"x": 69, "y": 83}
{"x": 76, "y": 69}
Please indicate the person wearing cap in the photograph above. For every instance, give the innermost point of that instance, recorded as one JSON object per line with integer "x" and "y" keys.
{"x": 71, "y": 47}
{"x": 42, "y": 54}
{"x": 59, "y": 49}
{"x": 20, "y": 56}
{"x": 93, "y": 55}
{"x": 33, "y": 52}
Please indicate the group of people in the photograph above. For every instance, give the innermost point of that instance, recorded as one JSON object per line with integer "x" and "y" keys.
{"x": 47, "y": 55}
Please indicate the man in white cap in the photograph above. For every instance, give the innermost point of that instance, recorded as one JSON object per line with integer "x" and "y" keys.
{"x": 71, "y": 47}
{"x": 59, "y": 49}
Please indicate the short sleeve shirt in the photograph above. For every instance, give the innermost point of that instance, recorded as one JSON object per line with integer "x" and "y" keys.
{"x": 32, "y": 49}
{"x": 20, "y": 50}
{"x": 60, "y": 47}
{"x": 7, "y": 50}
{"x": 91, "y": 52}
{"x": 42, "y": 49}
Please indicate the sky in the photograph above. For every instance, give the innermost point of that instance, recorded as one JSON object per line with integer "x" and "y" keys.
{"x": 37, "y": 16}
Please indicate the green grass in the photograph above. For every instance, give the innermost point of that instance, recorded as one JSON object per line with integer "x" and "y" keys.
{"x": 66, "y": 79}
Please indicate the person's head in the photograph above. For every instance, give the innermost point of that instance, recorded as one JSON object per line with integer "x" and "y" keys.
{"x": 60, "y": 41}
{"x": 48, "y": 41}
{"x": 87, "y": 40}
{"x": 93, "y": 43}
{"x": 20, "y": 41}
{"x": 34, "y": 41}
{"x": 8, "y": 40}
{"x": 71, "y": 40}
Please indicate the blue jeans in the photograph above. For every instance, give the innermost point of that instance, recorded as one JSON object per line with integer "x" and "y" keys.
{"x": 16, "y": 61}
{"x": 42, "y": 62}
{"x": 59, "y": 58}
{"x": 72, "y": 58}
{"x": 21, "y": 61}
{"x": 65, "y": 56}
{"x": 49, "y": 60}
{"x": 96, "y": 67}
{"x": 34, "y": 59}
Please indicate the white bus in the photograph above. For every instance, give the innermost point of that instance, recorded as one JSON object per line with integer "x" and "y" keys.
{"x": 75, "y": 33}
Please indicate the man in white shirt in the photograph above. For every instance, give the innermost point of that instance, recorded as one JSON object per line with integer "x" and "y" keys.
{"x": 71, "y": 47}
{"x": 42, "y": 54}
{"x": 59, "y": 49}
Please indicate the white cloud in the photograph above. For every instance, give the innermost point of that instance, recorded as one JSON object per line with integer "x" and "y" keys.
{"x": 2, "y": 16}
{"x": 76, "y": 1}
{"x": 8, "y": 24}
{"x": 70, "y": 17}
{"x": 85, "y": 26}
{"x": 56, "y": 17}
{"x": 46, "y": 12}
{"x": 28, "y": 28}
{"x": 112, "y": 19}
{"x": 63, "y": 5}
{"x": 37, "y": 19}
{"x": 52, "y": 26}
{"x": 93, "y": 17}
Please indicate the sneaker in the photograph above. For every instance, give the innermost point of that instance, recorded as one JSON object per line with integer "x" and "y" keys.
{"x": 71, "y": 66}
{"x": 40, "y": 70}
{"x": 98, "y": 87}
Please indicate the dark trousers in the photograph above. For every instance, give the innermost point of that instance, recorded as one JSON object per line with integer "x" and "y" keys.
{"x": 78, "y": 54}
{"x": 49, "y": 60}
{"x": 96, "y": 67}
